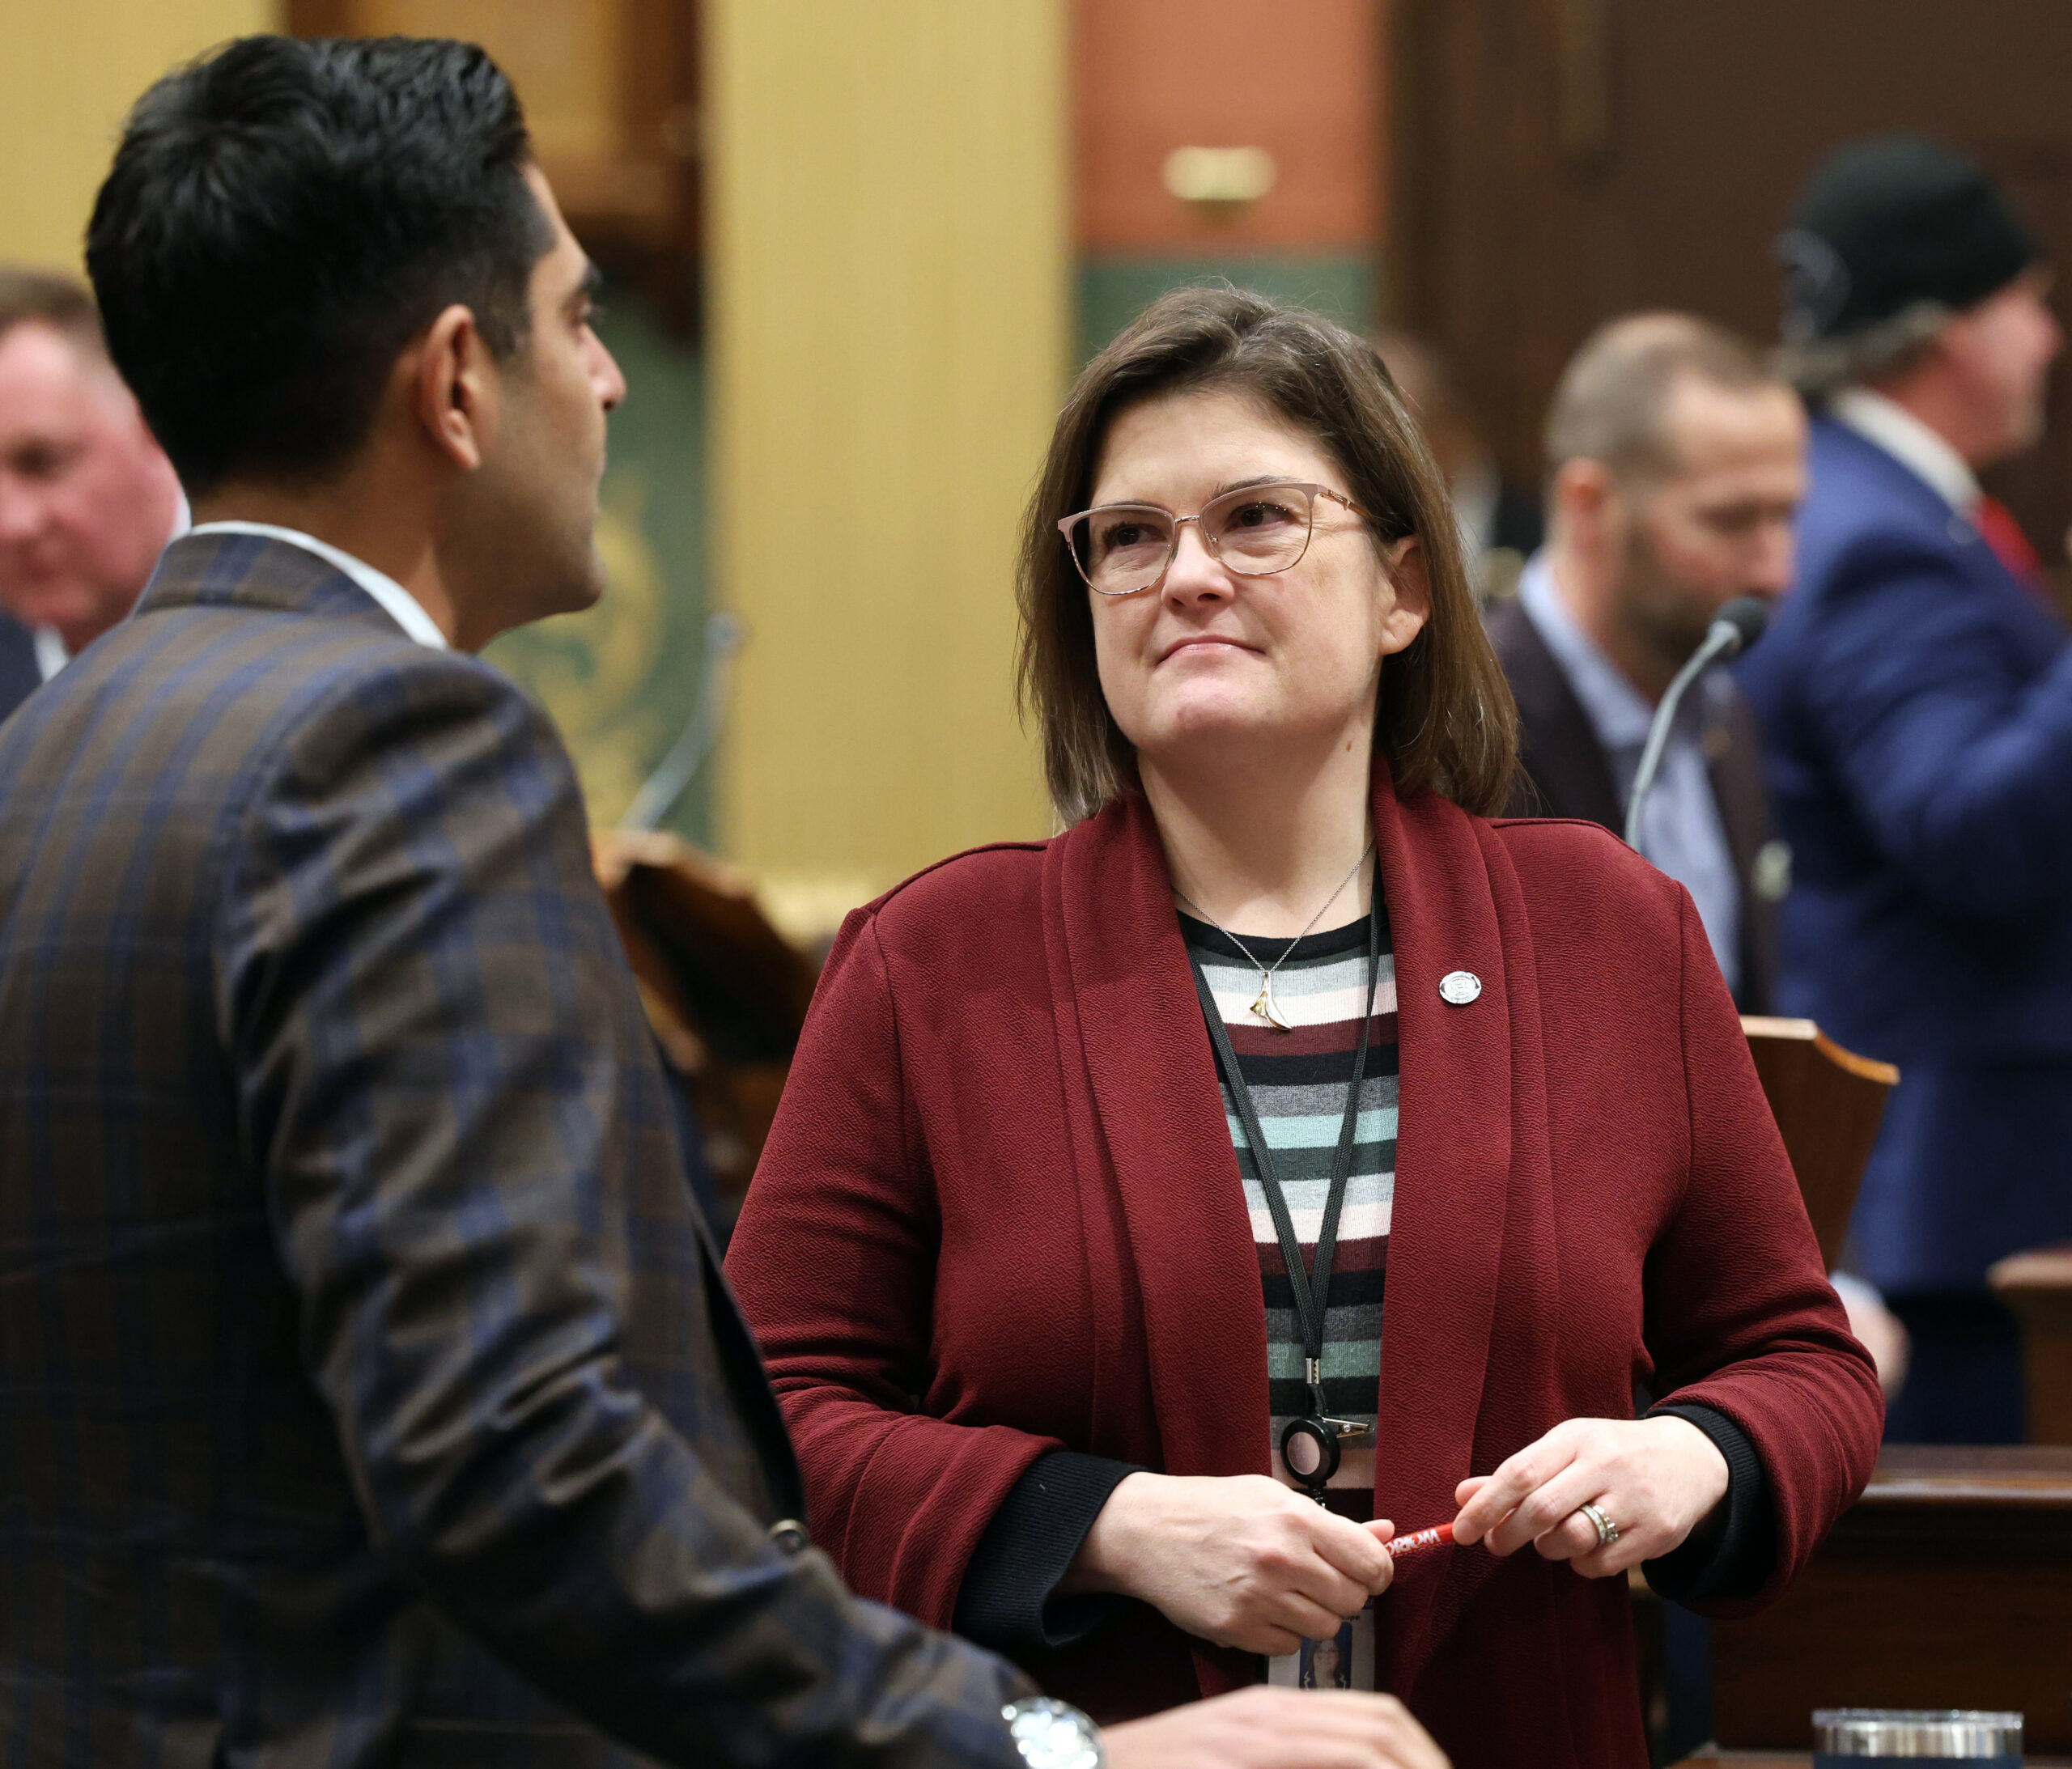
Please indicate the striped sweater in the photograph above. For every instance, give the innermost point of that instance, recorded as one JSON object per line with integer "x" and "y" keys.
{"x": 1298, "y": 1080}
{"x": 1009, "y": 1599}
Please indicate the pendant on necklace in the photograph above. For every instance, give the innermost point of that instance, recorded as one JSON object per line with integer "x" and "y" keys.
{"x": 1264, "y": 1008}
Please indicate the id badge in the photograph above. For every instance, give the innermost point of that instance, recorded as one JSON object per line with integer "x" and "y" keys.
{"x": 1342, "y": 1660}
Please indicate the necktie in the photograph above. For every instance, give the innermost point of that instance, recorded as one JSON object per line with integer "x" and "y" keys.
{"x": 1998, "y": 528}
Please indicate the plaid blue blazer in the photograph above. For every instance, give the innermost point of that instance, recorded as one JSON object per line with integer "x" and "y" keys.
{"x": 369, "y": 1392}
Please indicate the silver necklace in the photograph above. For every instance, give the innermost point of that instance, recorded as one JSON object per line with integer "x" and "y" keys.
{"x": 1263, "y": 1006}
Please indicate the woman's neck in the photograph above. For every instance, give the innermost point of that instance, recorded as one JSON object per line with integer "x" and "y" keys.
{"x": 1258, "y": 846}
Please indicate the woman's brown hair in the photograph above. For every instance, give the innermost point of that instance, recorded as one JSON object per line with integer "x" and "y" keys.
{"x": 1446, "y": 720}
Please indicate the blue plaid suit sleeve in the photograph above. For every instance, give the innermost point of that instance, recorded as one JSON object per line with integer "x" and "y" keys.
{"x": 503, "y": 1295}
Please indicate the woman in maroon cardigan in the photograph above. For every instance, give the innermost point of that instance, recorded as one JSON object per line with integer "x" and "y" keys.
{"x": 1110, "y": 1203}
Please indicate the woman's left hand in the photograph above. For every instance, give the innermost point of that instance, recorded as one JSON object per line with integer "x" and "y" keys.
{"x": 1656, "y": 1480}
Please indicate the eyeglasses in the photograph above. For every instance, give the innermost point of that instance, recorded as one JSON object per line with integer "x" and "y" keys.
{"x": 1122, "y": 548}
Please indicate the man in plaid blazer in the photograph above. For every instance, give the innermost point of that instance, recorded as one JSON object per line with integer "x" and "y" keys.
{"x": 369, "y": 1392}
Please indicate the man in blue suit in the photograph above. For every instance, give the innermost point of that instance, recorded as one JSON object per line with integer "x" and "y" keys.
{"x": 1916, "y": 693}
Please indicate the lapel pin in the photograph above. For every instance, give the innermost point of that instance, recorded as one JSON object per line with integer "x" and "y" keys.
{"x": 1457, "y": 988}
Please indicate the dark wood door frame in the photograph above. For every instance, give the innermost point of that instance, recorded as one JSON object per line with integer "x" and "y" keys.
{"x": 1556, "y": 162}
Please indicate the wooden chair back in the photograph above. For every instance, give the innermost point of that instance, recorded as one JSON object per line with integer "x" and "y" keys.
{"x": 1829, "y": 1103}
{"x": 725, "y": 993}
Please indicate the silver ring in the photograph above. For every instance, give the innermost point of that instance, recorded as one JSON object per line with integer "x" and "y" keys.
{"x": 1608, "y": 1531}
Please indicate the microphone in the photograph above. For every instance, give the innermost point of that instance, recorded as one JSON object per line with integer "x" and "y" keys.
{"x": 673, "y": 775}
{"x": 1734, "y": 630}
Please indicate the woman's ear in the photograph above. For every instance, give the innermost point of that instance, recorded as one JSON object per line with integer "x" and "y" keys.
{"x": 1410, "y": 594}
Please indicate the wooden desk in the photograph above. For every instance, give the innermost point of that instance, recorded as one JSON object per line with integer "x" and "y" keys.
{"x": 1949, "y": 1584}
{"x": 2038, "y": 1287}
{"x": 1803, "y": 1759}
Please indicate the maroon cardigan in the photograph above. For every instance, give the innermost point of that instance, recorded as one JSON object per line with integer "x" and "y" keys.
{"x": 1000, "y": 1214}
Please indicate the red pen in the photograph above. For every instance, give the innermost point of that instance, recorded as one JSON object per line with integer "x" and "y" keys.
{"x": 1440, "y": 1536}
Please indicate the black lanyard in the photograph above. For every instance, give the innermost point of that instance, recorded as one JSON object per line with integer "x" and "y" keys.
{"x": 1316, "y": 1437}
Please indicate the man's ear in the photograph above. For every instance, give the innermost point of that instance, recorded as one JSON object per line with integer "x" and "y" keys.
{"x": 1412, "y": 584}
{"x": 1580, "y": 500}
{"x": 455, "y": 389}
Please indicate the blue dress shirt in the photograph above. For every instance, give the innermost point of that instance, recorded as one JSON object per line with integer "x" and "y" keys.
{"x": 1681, "y": 829}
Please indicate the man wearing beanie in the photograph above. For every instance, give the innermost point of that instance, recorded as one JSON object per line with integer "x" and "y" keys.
{"x": 1916, "y": 693}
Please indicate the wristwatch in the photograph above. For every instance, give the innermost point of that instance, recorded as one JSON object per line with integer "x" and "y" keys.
{"x": 1053, "y": 1734}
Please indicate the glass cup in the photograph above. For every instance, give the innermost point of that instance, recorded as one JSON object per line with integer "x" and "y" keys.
{"x": 1917, "y": 1737}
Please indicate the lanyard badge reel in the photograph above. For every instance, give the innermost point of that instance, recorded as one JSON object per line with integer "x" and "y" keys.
{"x": 1311, "y": 1446}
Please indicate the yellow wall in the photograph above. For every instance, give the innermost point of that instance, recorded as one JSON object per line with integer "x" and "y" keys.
{"x": 69, "y": 70}
{"x": 890, "y": 264}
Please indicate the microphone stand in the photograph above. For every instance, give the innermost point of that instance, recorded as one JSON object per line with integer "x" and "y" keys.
{"x": 674, "y": 773}
{"x": 1738, "y": 626}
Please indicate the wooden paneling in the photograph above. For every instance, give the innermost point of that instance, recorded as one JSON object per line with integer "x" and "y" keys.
{"x": 1488, "y": 217}
{"x": 1559, "y": 162}
{"x": 1802, "y": 1759}
{"x": 890, "y": 326}
{"x": 2038, "y": 1287}
{"x": 322, "y": 18}
{"x": 611, "y": 92}
{"x": 1949, "y": 1584}
{"x": 1151, "y": 76}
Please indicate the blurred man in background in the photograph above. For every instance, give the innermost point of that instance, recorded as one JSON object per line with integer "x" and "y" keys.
{"x": 1678, "y": 460}
{"x": 87, "y": 499}
{"x": 1500, "y": 525}
{"x": 1916, "y": 694}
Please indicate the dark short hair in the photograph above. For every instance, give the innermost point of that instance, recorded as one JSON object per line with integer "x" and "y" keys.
{"x": 29, "y": 295}
{"x": 1611, "y": 404}
{"x": 1446, "y": 720}
{"x": 284, "y": 217}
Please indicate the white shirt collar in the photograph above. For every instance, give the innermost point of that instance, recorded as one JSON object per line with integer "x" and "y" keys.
{"x": 403, "y": 608}
{"x": 1890, "y": 426}
{"x": 51, "y": 654}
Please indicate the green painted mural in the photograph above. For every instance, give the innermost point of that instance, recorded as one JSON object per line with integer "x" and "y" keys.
{"x": 621, "y": 679}
{"x": 1114, "y": 289}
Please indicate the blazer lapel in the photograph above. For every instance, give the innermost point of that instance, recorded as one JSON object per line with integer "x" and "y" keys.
{"x": 1454, "y": 1176}
{"x": 1565, "y": 773}
{"x": 1159, "y": 1113}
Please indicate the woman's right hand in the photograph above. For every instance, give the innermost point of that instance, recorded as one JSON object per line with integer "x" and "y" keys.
{"x": 1238, "y": 1560}
{"x": 1277, "y": 1729}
